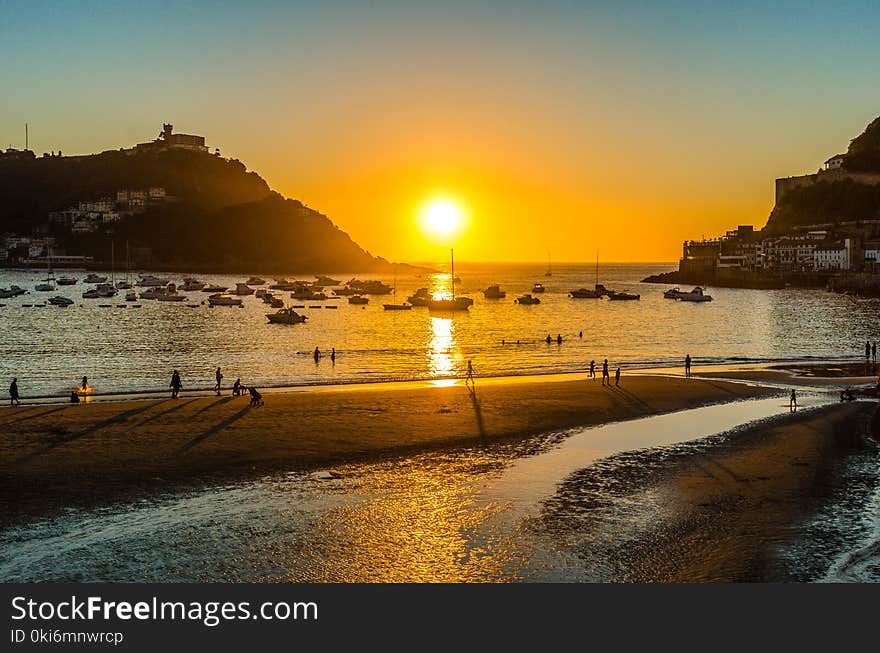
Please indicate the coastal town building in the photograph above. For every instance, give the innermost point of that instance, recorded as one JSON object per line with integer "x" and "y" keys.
{"x": 169, "y": 140}
{"x": 834, "y": 162}
{"x": 835, "y": 255}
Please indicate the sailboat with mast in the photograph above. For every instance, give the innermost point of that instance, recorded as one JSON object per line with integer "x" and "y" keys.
{"x": 549, "y": 272}
{"x": 585, "y": 293}
{"x": 454, "y": 303}
{"x": 126, "y": 283}
{"x": 395, "y": 306}
{"x": 48, "y": 284}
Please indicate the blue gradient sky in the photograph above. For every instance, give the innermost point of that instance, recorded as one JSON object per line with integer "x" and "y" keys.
{"x": 562, "y": 125}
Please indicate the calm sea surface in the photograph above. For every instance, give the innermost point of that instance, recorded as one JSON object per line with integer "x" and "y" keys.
{"x": 121, "y": 350}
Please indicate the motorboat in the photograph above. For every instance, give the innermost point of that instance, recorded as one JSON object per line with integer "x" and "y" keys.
{"x": 585, "y": 293}
{"x": 153, "y": 292}
{"x": 102, "y": 290}
{"x": 223, "y": 299}
{"x": 527, "y": 300}
{"x": 46, "y": 286}
{"x": 262, "y": 292}
{"x": 326, "y": 281}
{"x": 242, "y": 289}
{"x": 421, "y": 297}
{"x": 369, "y": 287}
{"x": 695, "y": 295}
{"x": 450, "y": 304}
{"x": 66, "y": 281}
{"x": 538, "y": 288}
{"x": 673, "y": 293}
{"x": 397, "y": 307}
{"x": 358, "y": 300}
{"x": 131, "y": 296}
{"x": 94, "y": 278}
{"x": 283, "y": 284}
{"x": 275, "y": 301}
{"x": 494, "y": 292}
{"x": 214, "y": 288}
{"x": 12, "y": 291}
{"x": 304, "y": 294}
{"x": 285, "y": 316}
{"x": 60, "y": 301}
{"x": 193, "y": 285}
{"x": 255, "y": 281}
{"x": 171, "y": 295}
{"x": 622, "y": 296}
{"x": 147, "y": 280}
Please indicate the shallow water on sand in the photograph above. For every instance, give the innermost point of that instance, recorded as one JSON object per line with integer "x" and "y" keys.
{"x": 125, "y": 349}
{"x": 475, "y": 514}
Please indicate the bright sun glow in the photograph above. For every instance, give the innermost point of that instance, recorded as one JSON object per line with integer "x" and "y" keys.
{"x": 441, "y": 218}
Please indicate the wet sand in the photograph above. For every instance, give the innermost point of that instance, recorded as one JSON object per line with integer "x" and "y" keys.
{"x": 722, "y": 509}
{"x": 56, "y": 456}
{"x": 806, "y": 374}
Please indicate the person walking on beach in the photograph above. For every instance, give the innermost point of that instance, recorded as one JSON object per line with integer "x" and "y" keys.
{"x": 175, "y": 384}
{"x": 617, "y": 376}
{"x": 605, "y": 375}
{"x": 469, "y": 379}
{"x": 219, "y": 377}
{"x": 687, "y": 366}
{"x": 592, "y": 369}
{"x": 867, "y": 350}
{"x": 13, "y": 393}
{"x": 792, "y": 401}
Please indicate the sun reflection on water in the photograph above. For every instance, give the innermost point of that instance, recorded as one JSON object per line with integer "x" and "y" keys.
{"x": 444, "y": 356}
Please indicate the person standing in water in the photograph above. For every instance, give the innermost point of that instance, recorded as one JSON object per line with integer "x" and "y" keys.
{"x": 175, "y": 384}
{"x": 558, "y": 338}
{"x": 219, "y": 377}
{"x": 317, "y": 355}
{"x": 605, "y": 375}
{"x": 333, "y": 355}
{"x": 687, "y": 366}
{"x": 792, "y": 401}
{"x": 13, "y": 393}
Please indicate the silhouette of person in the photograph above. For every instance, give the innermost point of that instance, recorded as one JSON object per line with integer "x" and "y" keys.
{"x": 867, "y": 349}
{"x": 74, "y": 397}
{"x": 175, "y": 384}
{"x": 605, "y": 375}
{"x": 333, "y": 355}
{"x": 549, "y": 339}
{"x": 469, "y": 379}
{"x": 13, "y": 392}
{"x": 558, "y": 338}
{"x": 792, "y": 401}
{"x": 687, "y": 366}
{"x": 874, "y": 352}
{"x": 317, "y": 355}
{"x": 236, "y": 388}
{"x": 85, "y": 384}
{"x": 256, "y": 397}
{"x": 219, "y": 377}
{"x": 592, "y": 369}
{"x": 580, "y": 334}
{"x": 617, "y": 376}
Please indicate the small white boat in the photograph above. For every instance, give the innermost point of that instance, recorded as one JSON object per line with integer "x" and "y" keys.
{"x": 60, "y": 301}
{"x": 695, "y": 295}
{"x": 222, "y": 299}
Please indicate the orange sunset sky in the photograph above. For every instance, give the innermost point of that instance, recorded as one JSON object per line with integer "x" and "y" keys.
{"x": 557, "y": 127}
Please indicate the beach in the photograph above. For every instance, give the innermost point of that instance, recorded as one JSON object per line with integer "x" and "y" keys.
{"x": 55, "y": 456}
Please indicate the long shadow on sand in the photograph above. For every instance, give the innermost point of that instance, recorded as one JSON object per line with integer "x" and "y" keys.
{"x": 478, "y": 413}
{"x": 629, "y": 396}
{"x": 214, "y": 404}
{"x": 166, "y": 412}
{"x": 215, "y": 429}
{"x": 116, "y": 419}
{"x": 31, "y": 415}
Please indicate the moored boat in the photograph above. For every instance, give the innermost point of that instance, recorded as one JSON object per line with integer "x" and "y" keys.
{"x": 223, "y": 299}
{"x": 60, "y": 301}
{"x": 622, "y": 296}
{"x": 285, "y": 316}
{"x": 695, "y": 295}
{"x": 256, "y": 281}
{"x": 214, "y": 288}
{"x": 94, "y": 278}
{"x": 538, "y": 288}
{"x": 66, "y": 281}
{"x": 358, "y": 300}
{"x": 494, "y": 292}
{"x": 421, "y": 297}
{"x": 527, "y": 300}
{"x": 585, "y": 293}
{"x": 243, "y": 289}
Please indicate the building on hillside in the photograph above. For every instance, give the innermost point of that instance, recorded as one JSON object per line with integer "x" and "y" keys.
{"x": 834, "y": 255}
{"x": 835, "y": 162}
{"x": 169, "y": 140}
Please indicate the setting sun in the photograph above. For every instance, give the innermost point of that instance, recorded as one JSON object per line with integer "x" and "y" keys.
{"x": 441, "y": 218}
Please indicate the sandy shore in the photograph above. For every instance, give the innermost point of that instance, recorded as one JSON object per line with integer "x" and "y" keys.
{"x": 724, "y": 508}
{"x": 54, "y": 456}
